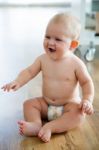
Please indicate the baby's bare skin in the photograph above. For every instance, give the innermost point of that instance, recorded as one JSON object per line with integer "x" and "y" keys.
{"x": 60, "y": 86}
{"x": 59, "y": 82}
{"x": 62, "y": 73}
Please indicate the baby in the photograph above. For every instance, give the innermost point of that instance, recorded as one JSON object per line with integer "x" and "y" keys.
{"x": 62, "y": 73}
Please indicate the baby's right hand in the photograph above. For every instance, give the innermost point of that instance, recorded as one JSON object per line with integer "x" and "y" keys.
{"x": 11, "y": 86}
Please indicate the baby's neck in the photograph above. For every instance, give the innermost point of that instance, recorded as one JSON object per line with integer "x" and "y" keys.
{"x": 66, "y": 55}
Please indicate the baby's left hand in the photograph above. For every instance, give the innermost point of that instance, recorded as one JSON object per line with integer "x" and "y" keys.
{"x": 87, "y": 107}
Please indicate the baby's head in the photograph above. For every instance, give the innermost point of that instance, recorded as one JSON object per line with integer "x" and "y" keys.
{"x": 62, "y": 35}
{"x": 69, "y": 23}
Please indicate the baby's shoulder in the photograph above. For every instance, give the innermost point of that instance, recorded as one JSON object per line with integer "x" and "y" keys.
{"x": 77, "y": 60}
{"x": 43, "y": 57}
{"x": 79, "y": 64}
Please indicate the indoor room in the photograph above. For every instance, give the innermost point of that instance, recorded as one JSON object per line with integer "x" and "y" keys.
{"x": 23, "y": 24}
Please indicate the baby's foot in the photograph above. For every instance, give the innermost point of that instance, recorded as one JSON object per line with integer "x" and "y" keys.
{"x": 45, "y": 134}
{"x": 29, "y": 128}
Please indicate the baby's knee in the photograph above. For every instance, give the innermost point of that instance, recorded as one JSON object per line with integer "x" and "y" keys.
{"x": 79, "y": 118}
{"x": 26, "y": 103}
{"x": 31, "y": 103}
{"x": 76, "y": 113}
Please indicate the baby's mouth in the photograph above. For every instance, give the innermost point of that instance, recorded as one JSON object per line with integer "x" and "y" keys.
{"x": 51, "y": 50}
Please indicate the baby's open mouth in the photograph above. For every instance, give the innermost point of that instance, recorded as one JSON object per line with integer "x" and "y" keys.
{"x": 51, "y": 50}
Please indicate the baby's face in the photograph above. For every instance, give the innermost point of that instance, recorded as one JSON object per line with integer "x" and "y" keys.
{"x": 56, "y": 43}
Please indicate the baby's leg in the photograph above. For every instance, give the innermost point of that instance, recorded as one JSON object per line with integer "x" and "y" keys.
{"x": 34, "y": 109}
{"x": 71, "y": 118}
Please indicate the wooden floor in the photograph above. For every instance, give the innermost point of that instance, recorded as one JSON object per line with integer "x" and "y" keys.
{"x": 85, "y": 137}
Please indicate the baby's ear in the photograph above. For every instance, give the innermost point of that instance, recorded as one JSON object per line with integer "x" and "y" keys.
{"x": 74, "y": 44}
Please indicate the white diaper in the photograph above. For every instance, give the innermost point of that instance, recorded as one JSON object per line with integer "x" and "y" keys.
{"x": 54, "y": 112}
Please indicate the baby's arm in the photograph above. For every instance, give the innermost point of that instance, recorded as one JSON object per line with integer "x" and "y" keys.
{"x": 24, "y": 76}
{"x": 87, "y": 86}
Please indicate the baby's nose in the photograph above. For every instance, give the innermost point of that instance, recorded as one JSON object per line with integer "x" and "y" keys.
{"x": 51, "y": 41}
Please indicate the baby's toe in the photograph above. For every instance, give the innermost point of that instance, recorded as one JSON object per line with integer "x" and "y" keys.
{"x": 40, "y": 134}
{"x": 45, "y": 138}
{"x": 20, "y": 131}
{"x": 21, "y": 122}
{"x": 44, "y": 135}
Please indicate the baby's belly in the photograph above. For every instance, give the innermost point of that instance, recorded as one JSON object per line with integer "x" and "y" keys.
{"x": 55, "y": 102}
{"x": 62, "y": 101}
{"x": 60, "y": 94}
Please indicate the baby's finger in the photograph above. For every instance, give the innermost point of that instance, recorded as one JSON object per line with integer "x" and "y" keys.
{"x": 8, "y": 87}
{"x": 2, "y": 87}
{"x": 82, "y": 110}
{"x": 5, "y": 88}
{"x": 87, "y": 109}
{"x": 89, "y": 112}
{"x": 84, "y": 106}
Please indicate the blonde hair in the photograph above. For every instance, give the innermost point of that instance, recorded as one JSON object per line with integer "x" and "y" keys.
{"x": 70, "y": 22}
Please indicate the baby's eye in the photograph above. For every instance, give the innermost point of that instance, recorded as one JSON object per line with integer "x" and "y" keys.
{"x": 47, "y": 37}
{"x": 57, "y": 39}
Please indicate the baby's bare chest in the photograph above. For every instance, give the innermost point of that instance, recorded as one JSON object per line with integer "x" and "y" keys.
{"x": 61, "y": 71}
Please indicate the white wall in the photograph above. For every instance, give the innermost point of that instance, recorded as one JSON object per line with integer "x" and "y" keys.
{"x": 33, "y": 1}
